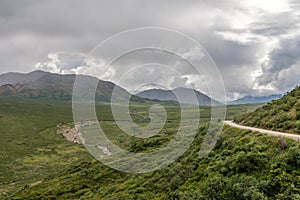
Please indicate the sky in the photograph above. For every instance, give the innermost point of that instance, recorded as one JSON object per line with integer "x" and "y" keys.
{"x": 255, "y": 44}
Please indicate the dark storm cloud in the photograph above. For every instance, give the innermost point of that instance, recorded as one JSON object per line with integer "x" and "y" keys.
{"x": 281, "y": 68}
{"x": 69, "y": 26}
{"x": 276, "y": 24}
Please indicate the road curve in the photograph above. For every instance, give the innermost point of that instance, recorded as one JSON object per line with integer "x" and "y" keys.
{"x": 272, "y": 133}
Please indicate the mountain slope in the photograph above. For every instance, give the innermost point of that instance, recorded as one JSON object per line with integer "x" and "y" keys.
{"x": 184, "y": 93}
{"x": 44, "y": 85}
{"x": 255, "y": 99}
{"x": 281, "y": 115}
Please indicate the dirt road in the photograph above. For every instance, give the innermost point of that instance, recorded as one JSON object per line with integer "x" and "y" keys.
{"x": 272, "y": 133}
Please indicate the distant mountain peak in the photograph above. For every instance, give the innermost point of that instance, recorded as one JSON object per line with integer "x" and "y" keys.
{"x": 185, "y": 93}
{"x": 39, "y": 72}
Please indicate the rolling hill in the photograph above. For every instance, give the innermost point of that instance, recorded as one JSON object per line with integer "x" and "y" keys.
{"x": 184, "y": 93}
{"x": 280, "y": 115}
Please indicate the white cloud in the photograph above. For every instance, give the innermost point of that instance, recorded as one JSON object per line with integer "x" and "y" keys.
{"x": 194, "y": 53}
{"x": 65, "y": 63}
{"x": 51, "y": 65}
{"x": 96, "y": 67}
{"x": 242, "y": 38}
{"x": 269, "y": 6}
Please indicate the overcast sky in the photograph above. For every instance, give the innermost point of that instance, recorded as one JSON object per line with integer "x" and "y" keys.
{"x": 254, "y": 43}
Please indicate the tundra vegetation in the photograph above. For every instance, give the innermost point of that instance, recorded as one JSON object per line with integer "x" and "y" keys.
{"x": 39, "y": 163}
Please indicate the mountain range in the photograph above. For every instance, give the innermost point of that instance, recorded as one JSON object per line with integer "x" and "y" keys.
{"x": 45, "y": 85}
{"x": 185, "y": 94}
{"x": 255, "y": 99}
{"x": 50, "y": 86}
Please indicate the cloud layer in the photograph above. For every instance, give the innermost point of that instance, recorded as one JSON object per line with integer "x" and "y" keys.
{"x": 254, "y": 43}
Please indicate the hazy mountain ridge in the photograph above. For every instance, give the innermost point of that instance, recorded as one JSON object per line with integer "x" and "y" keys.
{"x": 255, "y": 99}
{"x": 185, "y": 93}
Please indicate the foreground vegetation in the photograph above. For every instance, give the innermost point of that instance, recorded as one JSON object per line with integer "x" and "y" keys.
{"x": 242, "y": 166}
{"x": 37, "y": 163}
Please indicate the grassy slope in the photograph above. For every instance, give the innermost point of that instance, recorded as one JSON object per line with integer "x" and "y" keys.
{"x": 281, "y": 115}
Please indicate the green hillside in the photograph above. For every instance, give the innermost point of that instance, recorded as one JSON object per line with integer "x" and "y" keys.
{"x": 281, "y": 115}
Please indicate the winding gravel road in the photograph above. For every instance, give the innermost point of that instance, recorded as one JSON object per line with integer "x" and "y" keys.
{"x": 272, "y": 133}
